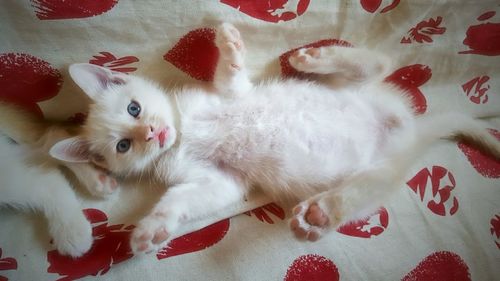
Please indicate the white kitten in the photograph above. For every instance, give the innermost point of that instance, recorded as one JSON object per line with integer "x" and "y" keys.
{"x": 30, "y": 178}
{"x": 341, "y": 147}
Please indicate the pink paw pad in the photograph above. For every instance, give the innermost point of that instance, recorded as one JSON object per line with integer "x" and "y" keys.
{"x": 309, "y": 221}
{"x": 145, "y": 237}
{"x": 143, "y": 247}
{"x": 102, "y": 178}
{"x": 113, "y": 183}
{"x": 315, "y": 216}
{"x": 160, "y": 236}
{"x": 298, "y": 57}
{"x": 313, "y": 52}
{"x": 300, "y": 232}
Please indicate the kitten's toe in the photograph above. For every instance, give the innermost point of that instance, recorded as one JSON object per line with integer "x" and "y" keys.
{"x": 226, "y": 32}
{"x": 73, "y": 239}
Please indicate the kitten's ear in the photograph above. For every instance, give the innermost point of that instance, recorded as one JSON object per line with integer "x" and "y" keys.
{"x": 74, "y": 150}
{"x": 93, "y": 79}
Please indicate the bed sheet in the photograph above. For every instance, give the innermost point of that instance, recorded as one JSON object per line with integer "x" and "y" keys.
{"x": 443, "y": 224}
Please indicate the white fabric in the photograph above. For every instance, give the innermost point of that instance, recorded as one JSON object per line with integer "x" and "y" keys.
{"x": 258, "y": 250}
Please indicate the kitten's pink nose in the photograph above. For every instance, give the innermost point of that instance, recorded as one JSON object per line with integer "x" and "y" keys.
{"x": 150, "y": 133}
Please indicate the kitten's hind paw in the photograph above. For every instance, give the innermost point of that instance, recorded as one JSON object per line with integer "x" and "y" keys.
{"x": 231, "y": 46}
{"x": 310, "y": 221}
{"x": 306, "y": 59}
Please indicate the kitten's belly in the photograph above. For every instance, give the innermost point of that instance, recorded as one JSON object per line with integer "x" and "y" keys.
{"x": 306, "y": 136}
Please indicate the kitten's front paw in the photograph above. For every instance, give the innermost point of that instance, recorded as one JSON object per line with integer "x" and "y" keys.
{"x": 306, "y": 59}
{"x": 100, "y": 184}
{"x": 73, "y": 239}
{"x": 231, "y": 46}
{"x": 152, "y": 233}
{"x": 310, "y": 221}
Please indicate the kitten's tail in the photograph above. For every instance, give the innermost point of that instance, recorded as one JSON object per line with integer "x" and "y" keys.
{"x": 459, "y": 127}
{"x": 20, "y": 125}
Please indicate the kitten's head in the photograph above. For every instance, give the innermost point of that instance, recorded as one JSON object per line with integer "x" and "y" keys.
{"x": 130, "y": 122}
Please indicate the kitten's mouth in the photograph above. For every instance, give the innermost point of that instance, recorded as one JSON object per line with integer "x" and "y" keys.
{"x": 162, "y": 136}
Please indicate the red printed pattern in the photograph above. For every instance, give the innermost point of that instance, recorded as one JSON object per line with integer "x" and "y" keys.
{"x": 495, "y": 229}
{"x": 195, "y": 241}
{"x": 26, "y": 80}
{"x": 423, "y": 31}
{"x": 312, "y": 268}
{"x": 262, "y": 213}
{"x": 371, "y": 6}
{"x": 483, "y": 163}
{"x": 409, "y": 78}
{"x": 70, "y": 9}
{"x": 478, "y": 88}
{"x": 439, "y": 198}
{"x": 374, "y": 225}
{"x": 483, "y": 39}
{"x": 108, "y": 60}
{"x": 111, "y": 246}
{"x": 7, "y": 263}
{"x": 195, "y": 54}
{"x": 442, "y": 266}
{"x": 270, "y": 10}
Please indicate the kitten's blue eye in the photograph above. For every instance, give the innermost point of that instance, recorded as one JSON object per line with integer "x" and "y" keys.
{"x": 123, "y": 145}
{"x": 134, "y": 109}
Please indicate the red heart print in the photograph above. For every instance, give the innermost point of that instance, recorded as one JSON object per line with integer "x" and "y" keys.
{"x": 495, "y": 229}
{"x": 271, "y": 10}
{"x": 312, "y": 268}
{"x": 438, "y": 196}
{"x": 288, "y": 71}
{"x": 409, "y": 78}
{"x": 374, "y": 225}
{"x": 70, "y": 9}
{"x": 371, "y": 6}
{"x": 442, "y": 266}
{"x": 262, "y": 213}
{"x": 108, "y": 60}
{"x": 7, "y": 263}
{"x": 423, "y": 31}
{"x": 196, "y": 54}
{"x": 111, "y": 246}
{"x": 26, "y": 80}
{"x": 195, "y": 241}
{"x": 483, "y": 39}
{"x": 483, "y": 163}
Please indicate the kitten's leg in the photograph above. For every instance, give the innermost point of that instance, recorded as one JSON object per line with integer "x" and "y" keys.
{"x": 49, "y": 191}
{"x": 181, "y": 203}
{"x": 231, "y": 77}
{"x": 356, "y": 200}
{"x": 353, "y": 64}
{"x": 96, "y": 181}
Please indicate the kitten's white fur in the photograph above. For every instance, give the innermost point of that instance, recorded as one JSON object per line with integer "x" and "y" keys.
{"x": 342, "y": 146}
{"x": 30, "y": 178}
